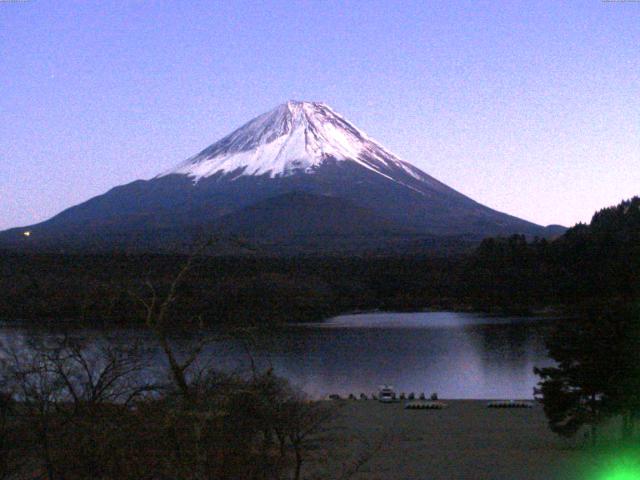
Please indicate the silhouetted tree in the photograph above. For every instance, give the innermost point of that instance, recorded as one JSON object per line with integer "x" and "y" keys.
{"x": 597, "y": 373}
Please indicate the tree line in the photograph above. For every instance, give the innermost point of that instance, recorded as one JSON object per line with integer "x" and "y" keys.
{"x": 599, "y": 261}
{"x": 595, "y": 262}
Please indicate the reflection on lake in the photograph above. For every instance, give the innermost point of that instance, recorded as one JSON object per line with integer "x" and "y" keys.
{"x": 458, "y": 355}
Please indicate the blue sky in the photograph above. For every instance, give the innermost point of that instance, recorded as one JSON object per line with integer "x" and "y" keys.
{"x": 532, "y": 108}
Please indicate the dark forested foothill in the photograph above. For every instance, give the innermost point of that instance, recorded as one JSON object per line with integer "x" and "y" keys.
{"x": 589, "y": 263}
{"x": 235, "y": 290}
{"x": 599, "y": 262}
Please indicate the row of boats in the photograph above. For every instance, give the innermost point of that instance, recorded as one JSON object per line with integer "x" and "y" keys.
{"x": 387, "y": 394}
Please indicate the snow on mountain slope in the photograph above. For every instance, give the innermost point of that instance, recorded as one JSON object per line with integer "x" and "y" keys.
{"x": 300, "y": 170}
{"x": 295, "y": 137}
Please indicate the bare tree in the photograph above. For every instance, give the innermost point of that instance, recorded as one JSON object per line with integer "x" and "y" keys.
{"x": 158, "y": 320}
{"x": 30, "y": 376}
{"x": 62, "y": 384}
{"x": 299, "y": 422}
{"x": 185, "y": 378}
{"x": 265, "y": 407}
{"x": 97, "y": 370}
{"x": 8, "y": 448}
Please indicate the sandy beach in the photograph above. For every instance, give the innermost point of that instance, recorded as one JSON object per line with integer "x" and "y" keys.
{"x": 466, "y": 440}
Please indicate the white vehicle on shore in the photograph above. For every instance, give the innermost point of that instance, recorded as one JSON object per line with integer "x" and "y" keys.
{"x": 387, "y": 394}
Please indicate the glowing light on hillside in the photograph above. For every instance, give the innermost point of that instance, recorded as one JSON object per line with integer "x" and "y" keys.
{"x": 623, "y": 466}
{"x": 27, "y": 233}
{"x": 622, "y": 473}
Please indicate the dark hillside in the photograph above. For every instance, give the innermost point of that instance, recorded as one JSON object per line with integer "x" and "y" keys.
{"x": 599, "y": 262}
{"x": 220, "y": 289}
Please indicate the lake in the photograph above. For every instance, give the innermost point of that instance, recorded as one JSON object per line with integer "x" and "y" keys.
{"x": 457, "y": 355}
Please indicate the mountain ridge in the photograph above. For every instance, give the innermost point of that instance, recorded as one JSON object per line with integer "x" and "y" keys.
{"x": 297, "y": 147}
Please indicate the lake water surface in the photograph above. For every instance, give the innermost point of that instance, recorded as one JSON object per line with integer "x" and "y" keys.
{"x": 457, "y": 355}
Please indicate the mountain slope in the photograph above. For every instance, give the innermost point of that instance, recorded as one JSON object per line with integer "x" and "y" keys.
{"x": 298, "y": 147}
{"x": 298, "y": 215}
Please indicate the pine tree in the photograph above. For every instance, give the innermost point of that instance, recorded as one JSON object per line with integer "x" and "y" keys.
{"x": 597, "y": 372}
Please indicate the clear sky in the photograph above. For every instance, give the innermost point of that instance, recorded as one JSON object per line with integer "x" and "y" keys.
{"x": 532, "y": 108}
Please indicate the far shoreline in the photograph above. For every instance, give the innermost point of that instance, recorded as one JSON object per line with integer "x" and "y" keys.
{"x": 551, "y": 313}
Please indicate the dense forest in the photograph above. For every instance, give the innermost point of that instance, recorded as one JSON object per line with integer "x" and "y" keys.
{"x": 595, "y": 262}
{"x": 598, "y": 262}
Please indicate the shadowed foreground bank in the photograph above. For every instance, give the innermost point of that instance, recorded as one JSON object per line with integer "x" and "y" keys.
{"x": 464, "y": 441}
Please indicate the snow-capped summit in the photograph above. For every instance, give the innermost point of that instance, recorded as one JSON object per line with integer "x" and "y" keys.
{"x": 295, "y": 137}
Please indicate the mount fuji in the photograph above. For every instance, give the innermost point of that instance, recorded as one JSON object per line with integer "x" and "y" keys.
{"x": 299, "y": 178}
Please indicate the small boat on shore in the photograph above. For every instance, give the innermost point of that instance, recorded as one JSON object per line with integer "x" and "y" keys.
{"x": 387, "y": 394}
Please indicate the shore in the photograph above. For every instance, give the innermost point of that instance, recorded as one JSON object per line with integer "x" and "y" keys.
{"x": 466, "y": 440}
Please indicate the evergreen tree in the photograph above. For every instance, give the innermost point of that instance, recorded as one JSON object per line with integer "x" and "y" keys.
{"x": 572, "y": 392}
{"x": 597, "y": 372}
